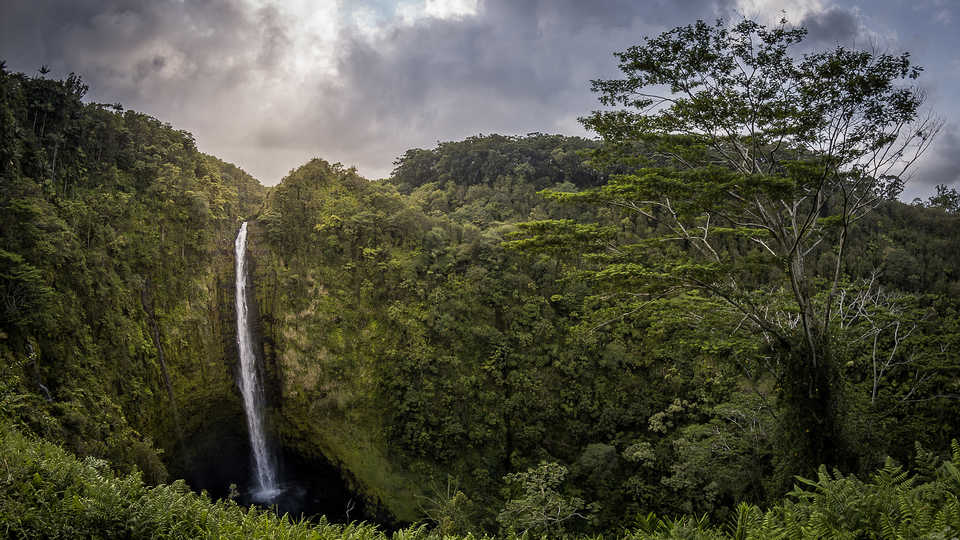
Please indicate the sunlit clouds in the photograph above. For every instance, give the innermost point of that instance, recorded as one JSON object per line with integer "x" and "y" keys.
{"x": 269, "y": 85}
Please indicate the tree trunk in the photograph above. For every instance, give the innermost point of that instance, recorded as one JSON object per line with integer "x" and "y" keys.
{"x": 811, "y": 432}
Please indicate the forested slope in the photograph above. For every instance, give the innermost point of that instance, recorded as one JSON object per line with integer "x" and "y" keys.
{"x": 411, "y": 347}
{"x": 416, "y": 343}
{"x": 116, "y": 310}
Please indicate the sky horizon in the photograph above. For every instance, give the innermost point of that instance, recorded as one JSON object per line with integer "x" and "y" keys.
{"x": 269, "y": 85}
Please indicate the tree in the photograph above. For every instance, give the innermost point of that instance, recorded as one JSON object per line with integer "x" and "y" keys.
{"x": 538, "y": 506}
{"x": 725, "y": 139}
{"x": 947, "y": 199}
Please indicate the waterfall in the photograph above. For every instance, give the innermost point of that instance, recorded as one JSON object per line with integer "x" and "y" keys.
{"x": 264, "y": 474}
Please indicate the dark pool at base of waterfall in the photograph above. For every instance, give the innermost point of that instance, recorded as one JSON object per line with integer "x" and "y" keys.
{"x": 308, "y": 487}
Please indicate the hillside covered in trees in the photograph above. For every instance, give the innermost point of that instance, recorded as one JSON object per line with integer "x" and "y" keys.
{"x": 114, "y": 277}
{"x": 510, "y": 334}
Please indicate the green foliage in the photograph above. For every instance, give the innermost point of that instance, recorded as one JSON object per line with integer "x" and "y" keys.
{"x": 23, "y": 290}
{"x": 112, "y": 227}
{"x": 426, "y": 341}
{"x": 450, "y": 509}
{"x": 411, "y": 347}
{"x": 946, "y": 199}
{"x": 47, "y": 493}
{"x": 892, "y": 505}
{"x": 743, "y": 167}
{"x": 537, "y": 505}
{"x": 491, "y": 179}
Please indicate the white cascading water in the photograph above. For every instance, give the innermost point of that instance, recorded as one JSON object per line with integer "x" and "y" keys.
{"x": 264, "y": 474}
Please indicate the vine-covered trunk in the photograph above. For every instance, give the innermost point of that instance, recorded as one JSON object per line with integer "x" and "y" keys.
{"x": 811, "y": 431}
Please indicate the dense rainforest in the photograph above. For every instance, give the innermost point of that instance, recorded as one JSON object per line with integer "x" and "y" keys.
{"x": 115, "y": 276}
{"x": 495, "y": 340}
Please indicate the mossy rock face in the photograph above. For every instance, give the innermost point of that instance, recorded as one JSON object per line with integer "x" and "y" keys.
{"x": 201, "y": 346}
{"x": 216, "y": 453}
{"x": 321, "y": 384}
{"x": 349, "y": 441}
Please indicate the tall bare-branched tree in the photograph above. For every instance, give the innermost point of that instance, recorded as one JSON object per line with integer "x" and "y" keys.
{"x": 723, "y": 136}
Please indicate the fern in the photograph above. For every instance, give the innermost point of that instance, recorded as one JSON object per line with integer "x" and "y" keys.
{"x": 746, "y": 517}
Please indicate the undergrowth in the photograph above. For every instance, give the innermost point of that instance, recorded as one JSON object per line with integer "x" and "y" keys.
{"x": 46, "y": 492}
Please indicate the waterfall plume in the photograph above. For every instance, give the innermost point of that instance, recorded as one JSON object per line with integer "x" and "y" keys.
{"x": 265, "y": 487}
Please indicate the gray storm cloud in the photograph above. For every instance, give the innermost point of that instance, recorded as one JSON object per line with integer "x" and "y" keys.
{"x": 830, "y": 27}
{"x": 940, "y": 166}
{"x": 240, "y": 76}
{"x": 516, "y": 67}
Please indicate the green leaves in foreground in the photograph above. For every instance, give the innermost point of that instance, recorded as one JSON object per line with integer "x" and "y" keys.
{"x": 45, "y": 492}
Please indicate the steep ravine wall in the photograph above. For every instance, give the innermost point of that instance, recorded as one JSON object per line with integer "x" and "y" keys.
{"x": 150, "y": 368}
{"x": 210, "y": 448}
{"x": 202, "y": 431}
{"x": 318, "y": 385}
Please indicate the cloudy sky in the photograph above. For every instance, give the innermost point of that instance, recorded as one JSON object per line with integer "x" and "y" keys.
{"x": 270, "y": 84}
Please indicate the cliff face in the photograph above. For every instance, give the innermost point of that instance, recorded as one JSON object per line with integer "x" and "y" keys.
{"x": 206, "y": 440}
{"x": 324, "y": 338}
